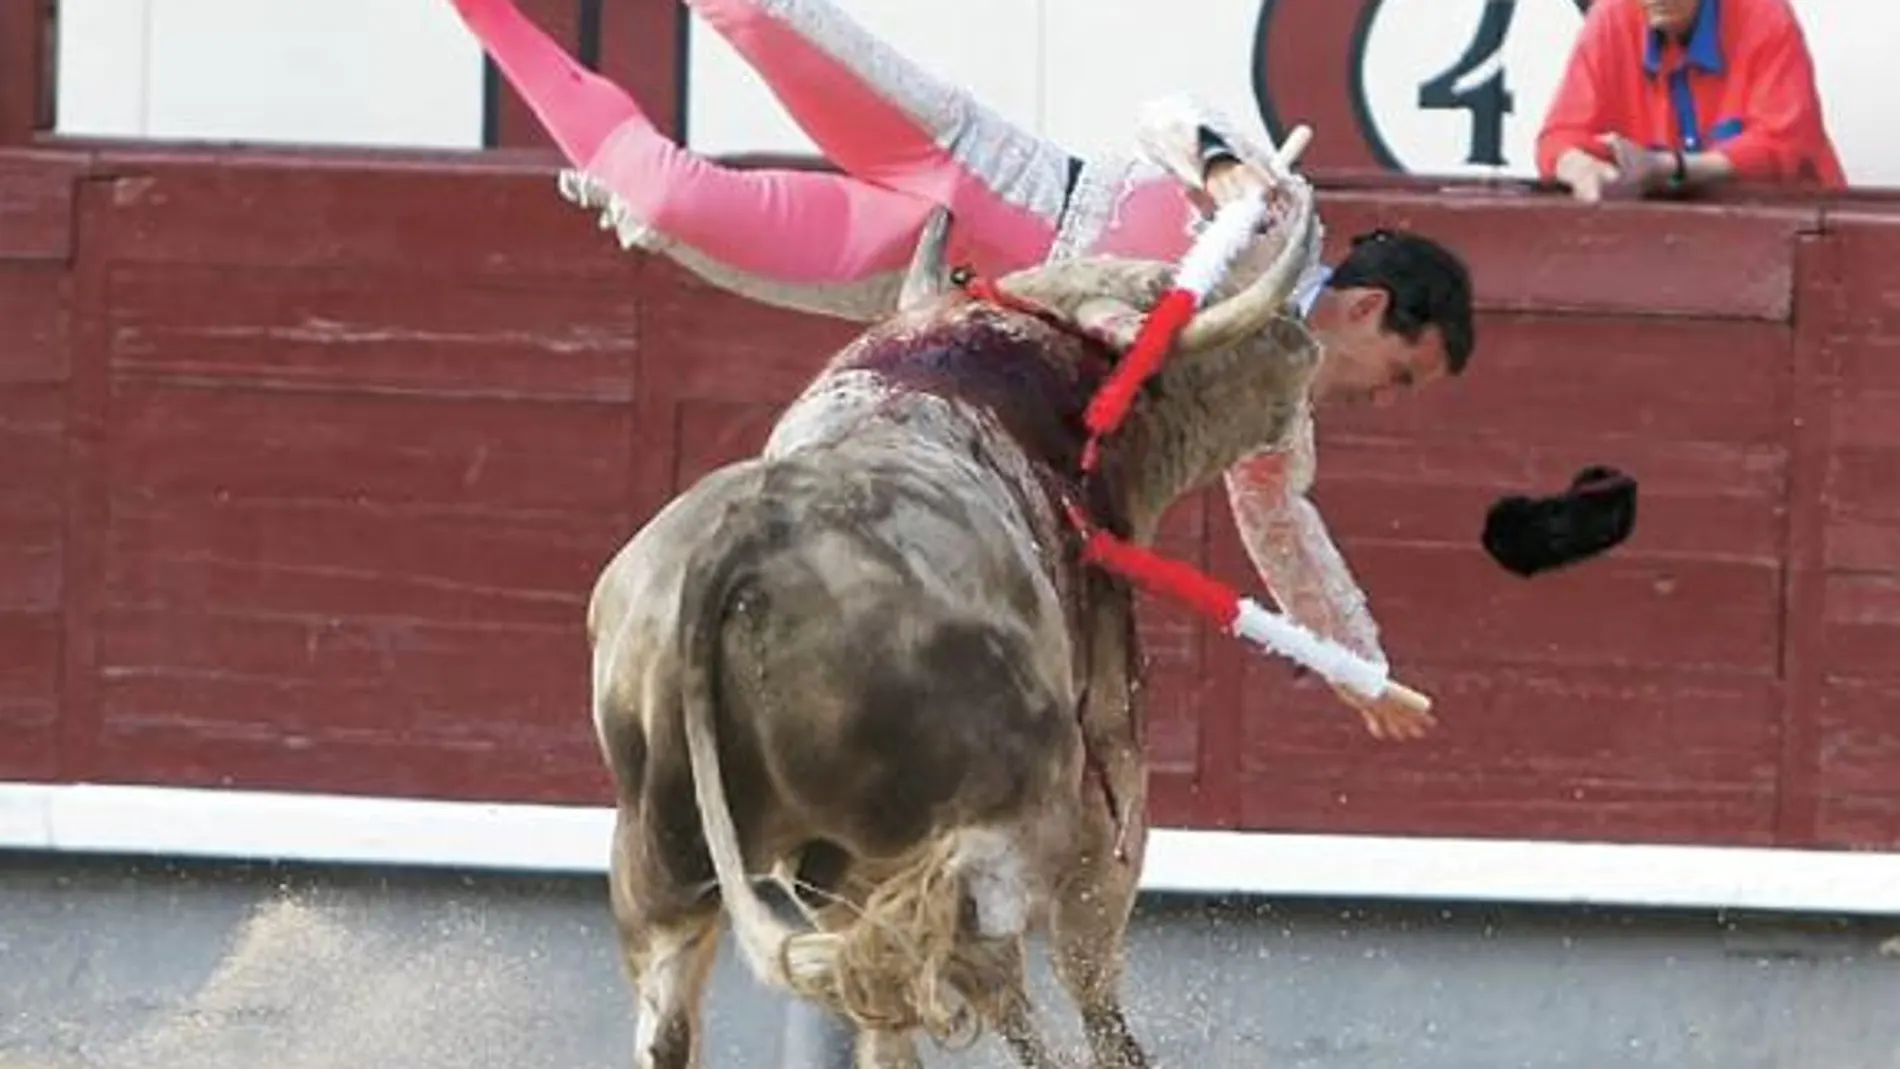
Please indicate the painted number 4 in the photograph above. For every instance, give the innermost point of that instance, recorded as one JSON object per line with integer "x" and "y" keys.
{"x": 1476, "y": 84}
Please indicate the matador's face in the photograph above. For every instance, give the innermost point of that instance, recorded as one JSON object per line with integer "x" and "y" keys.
{"x": 1670, "y": 16}
{"x": 1363, "y": 362}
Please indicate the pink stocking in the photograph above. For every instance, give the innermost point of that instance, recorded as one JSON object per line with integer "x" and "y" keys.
{"x": 788, "y": 226}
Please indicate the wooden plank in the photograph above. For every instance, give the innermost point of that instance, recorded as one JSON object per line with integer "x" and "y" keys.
{"x": 1804, "y": 584}
{"x": 1458, "y": 607}
{"x": 373, "y": 330}
{"x": 1711, "y": 501}
{"x": 1857, "y": 750}
{"x": 333, "y": 478}
{"x": 1861, "y": 627}
{"x": 707, "y": 343}
{"x": 36, "y": 204}
{"x": 744, "y": 360}
{"x": 480, "y": 455}
{"x": 36, "y": 316}
{"x": 30, "y": 565}
{"x": 1174, "y": 801}
{"x": 1861, "y": 344}
{"x": 455, "y": 215}
{"x": 29, "y": 695}
{"x": 1845, "y": 612}
{"x": 1547, "y": 254}
{"x": 86, "y": 490}
{"x": 342, "y": 562}
{"x": 34, "y": 363}
{"x": 1539, "y": 378}
{"x": 1699, "y": 583}
{"x": 178, "y": 753}
{"x": 33, "y": 424}
{"x": 1650, "y": 755}
{"x": 357, "y": 674}
{"x": 1865, "y": 459}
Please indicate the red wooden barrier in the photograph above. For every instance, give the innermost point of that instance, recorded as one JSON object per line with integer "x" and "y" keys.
{"x": 309, "y": 464}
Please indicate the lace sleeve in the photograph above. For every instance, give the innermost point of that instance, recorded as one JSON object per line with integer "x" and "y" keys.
{"x": 1287, "y": 540}
{"x": 1168, "y": 132}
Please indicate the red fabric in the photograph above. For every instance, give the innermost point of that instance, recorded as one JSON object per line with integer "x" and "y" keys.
{"x": 1177, "y": 581}
{"x": 1767, "y": 85}
{"x": 1110, "y": 404}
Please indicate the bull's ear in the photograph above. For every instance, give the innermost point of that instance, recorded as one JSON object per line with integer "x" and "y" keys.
{"x": 929, "y": 274}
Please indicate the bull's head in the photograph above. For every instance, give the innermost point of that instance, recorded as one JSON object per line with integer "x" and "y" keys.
{"x": 1223, "y": 398}
{"x": 1223, "y": 401}
{"x": 1108, "y": 296}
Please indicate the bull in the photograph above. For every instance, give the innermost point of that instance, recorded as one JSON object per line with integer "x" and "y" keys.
{"x": 861, "y": 694}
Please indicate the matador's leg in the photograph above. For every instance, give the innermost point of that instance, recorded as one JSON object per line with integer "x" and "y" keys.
{"x": 883, "y": 118}
{"x": 1018, "y": 198}
{"x": 820, "y": 242}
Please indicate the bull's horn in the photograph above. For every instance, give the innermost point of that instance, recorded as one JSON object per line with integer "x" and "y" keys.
{"x": 1248, "y": 312}
{"x": 929, "y": 275}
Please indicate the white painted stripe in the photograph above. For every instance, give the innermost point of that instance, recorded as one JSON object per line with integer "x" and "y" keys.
{"x": 178, "y": 822}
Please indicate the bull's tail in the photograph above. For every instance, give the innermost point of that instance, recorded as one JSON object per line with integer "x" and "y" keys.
{"x": 898, "y": 963}
{"x": 712, "y": 574}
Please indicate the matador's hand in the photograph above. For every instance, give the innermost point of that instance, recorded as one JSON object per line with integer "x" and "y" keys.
{"x": 1230, "y": 180}
{"x": 1389, "y": 716}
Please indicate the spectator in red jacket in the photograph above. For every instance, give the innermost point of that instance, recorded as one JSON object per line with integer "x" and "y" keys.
{"x": 1665, "y": 95}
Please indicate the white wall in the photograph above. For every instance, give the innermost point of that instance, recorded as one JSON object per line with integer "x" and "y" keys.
{"x": 353, "y": 72}
{"x": 404, "y": 72}
{"x": 1853, "y": 43}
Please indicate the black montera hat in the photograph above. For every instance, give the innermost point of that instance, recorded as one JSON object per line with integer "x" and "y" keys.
{"x": 1529, "y": 535}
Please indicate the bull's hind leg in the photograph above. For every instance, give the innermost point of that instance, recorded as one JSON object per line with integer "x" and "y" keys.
{"x": 1088, "y": 925}
{"x": 675, "y": 962}
{"x": 1003, "y": 998}
{"x": 1010, "y": 1009}
{"x": 887, "y": 1050}
{"x": 668, "y": 955}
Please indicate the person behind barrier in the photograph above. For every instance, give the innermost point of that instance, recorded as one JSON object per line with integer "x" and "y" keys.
{"x": 1661, "y": 97}
{"x": 1394, "y": 314}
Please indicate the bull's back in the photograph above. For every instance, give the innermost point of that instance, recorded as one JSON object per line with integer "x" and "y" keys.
{"x": 896, "y": 651}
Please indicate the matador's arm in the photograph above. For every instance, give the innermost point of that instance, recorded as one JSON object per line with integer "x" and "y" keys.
{"x": 1287, "y": 540}
{"x": 1174, "y": 131}
{"x": 1181, "y": 135}
{"x": 1284, "y": 534}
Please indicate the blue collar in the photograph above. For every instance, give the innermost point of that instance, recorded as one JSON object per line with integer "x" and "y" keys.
{"x": 1315, "y": 285}
{"x": 1704, "y": 47}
